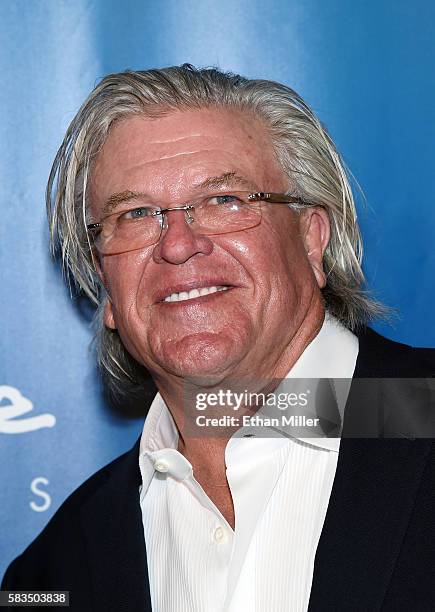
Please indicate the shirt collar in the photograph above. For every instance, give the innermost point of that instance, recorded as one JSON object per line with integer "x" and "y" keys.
{"x": 159, "y": 435}
{"x": 331, "y": 354}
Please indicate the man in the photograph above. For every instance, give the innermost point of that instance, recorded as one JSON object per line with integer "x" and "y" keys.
{"x": 211, "y": 220}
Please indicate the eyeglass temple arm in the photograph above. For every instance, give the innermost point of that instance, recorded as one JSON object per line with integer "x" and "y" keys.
{"x": 275, "y": 198}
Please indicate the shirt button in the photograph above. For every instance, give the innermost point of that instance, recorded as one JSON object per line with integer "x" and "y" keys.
{"x": 161, "y": 466}
{"x": 218, "y": 534}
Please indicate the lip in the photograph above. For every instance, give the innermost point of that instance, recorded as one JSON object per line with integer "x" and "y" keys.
{"x": 188, "y": 286}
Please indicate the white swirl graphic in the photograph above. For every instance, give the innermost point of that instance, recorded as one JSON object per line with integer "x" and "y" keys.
{"x": 18, "y": 406}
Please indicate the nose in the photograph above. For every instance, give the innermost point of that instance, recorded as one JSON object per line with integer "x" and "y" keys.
{"x": 179, "y": 241}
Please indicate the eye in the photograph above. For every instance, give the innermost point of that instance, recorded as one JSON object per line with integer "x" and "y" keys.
{"x": 136, "y": 213}
{"x": 224, "y": 199}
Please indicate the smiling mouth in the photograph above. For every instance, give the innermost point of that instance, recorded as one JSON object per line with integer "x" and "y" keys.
{"x": 184, "y": 296}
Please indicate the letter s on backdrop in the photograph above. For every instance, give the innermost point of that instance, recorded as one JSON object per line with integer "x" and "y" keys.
{"x": 41, "y": 493}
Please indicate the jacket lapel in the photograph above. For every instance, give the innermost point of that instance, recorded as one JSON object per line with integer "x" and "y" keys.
{"x": 372, "y": 498}
{"x": 370, "y": 506}
{"x": 112, "y": 523}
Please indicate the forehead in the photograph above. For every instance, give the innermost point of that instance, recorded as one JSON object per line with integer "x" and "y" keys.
{"x": 166, "y": 154}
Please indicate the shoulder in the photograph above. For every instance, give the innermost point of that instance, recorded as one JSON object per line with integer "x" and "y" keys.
{"x": 379, "y": 356}
{"x": 59, "y": 552}
{"x": 95, "y": 483}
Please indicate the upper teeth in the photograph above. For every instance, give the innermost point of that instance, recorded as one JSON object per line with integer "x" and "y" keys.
{"x": 193, "y": 293}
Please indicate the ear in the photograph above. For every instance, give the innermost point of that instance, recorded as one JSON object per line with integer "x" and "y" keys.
{"x": 316, "y": 232}
{"x": 108, "y": 318}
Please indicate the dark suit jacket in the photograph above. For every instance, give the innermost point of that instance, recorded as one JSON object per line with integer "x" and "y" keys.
{"x": 376, "y": 550}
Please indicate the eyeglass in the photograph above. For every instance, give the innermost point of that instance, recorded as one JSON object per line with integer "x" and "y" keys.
{"x": 130, "y": 228}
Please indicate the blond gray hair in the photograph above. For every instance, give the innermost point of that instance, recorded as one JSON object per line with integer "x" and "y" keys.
{"x": 303, "y": 147}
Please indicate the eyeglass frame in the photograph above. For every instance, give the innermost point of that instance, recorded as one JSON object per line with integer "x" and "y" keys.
{"x": 260, "y": 196}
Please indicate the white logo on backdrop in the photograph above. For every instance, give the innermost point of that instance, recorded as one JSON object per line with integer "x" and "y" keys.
{"x": 40, "y": 493}
{"x": 19, "y": 405}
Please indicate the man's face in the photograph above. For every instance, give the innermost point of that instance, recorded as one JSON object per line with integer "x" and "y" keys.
{"x": 268, "y": 274}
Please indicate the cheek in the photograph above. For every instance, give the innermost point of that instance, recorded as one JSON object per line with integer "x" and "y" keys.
{"x": 274, "y": 257}
{"x": 123, "y": 278}
{"x": 284, "y": 279}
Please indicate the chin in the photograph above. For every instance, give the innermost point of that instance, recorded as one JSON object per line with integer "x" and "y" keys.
{"x": 207, "y": 356}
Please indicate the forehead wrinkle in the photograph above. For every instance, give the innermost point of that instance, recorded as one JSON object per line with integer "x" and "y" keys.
{"x": 156, "y": 160}
{"x": 175, "y": 139}
{"x": 178, "y": 155}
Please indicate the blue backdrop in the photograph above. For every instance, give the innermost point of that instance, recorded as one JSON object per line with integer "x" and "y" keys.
{"x": 367, "y": 70}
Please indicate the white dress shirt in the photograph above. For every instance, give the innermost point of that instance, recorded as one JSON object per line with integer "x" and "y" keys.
{"x": 280, "y": 488}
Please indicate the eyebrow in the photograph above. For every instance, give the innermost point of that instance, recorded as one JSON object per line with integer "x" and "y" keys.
{"x": 118, "y": 198}
{"x": 227, "y": 179}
